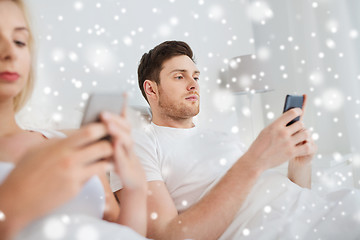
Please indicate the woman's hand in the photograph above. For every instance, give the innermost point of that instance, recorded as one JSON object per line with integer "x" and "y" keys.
{"x": 133, "y": 195}
{"x": 53, "y": 173}
{"x": 126, "y": 164}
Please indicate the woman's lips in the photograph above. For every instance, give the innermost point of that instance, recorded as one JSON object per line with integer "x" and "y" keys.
{"x": 9, "y": 76}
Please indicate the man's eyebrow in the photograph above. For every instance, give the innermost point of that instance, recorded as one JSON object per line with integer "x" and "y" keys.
{"x": 183, "y": 70}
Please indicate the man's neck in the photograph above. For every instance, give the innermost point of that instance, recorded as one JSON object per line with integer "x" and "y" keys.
{"x": 8, "y": 124}
{"x": 174, "y": 123}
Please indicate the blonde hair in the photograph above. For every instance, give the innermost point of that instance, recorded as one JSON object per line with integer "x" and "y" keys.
{"x": 24, "y": 95}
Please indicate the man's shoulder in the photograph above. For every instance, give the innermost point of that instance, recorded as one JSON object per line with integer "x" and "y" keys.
{"x": 143, "y": 132}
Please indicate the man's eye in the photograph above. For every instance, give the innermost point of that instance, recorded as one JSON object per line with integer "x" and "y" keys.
{"x": 179, "y": 77}
{"x": 19, "y": 43}
{"x": 196, "y": 78}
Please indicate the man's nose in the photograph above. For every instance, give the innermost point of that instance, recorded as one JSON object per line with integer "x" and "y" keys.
{"x": 193, "y": 85}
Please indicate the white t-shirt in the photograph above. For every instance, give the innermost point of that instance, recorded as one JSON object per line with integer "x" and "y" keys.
{"x": 189, "y": 161}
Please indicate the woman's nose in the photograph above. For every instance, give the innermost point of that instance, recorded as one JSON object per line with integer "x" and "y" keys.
{"x": 7, "y": 51}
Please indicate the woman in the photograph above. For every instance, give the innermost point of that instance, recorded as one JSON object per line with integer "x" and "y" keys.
{"x": 48, "y": 187}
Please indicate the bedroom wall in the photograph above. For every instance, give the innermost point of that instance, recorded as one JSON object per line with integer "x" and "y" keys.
{"x": 87, "y": 46}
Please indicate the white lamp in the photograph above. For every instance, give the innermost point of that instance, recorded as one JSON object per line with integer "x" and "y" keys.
{"x": 245, "y": 77}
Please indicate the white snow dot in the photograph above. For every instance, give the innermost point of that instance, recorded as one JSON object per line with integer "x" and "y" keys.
{"x": 315, "y": 136}
{"x": 164, "y": 30}
{"x": 47, "y": 90}
{"x": 222, "y": 161}
{"x": 270, "y": 115}
{"x": 88, "y": 232}
{"x": 246, "y": 232}
{"x": 263, "y": 53}
{"x": 153, "y": 215}
{"x": 267, "y": 209}
{"x": 84, "y": 96}
{"x": 56, "y": 117}
{"x": 354, "y": 34}
{"x": 73, "y": 56}
{"x": 78, "y": 5}
{"x": 2, "y": 216}
{"x": 332, "y": 99}
{"x": 78, "y": 84}
{"x": 330, "y": 43}
{"x": 332, "y": 26}
{"x": 246, "y": 111}
{"x": 315, "y": 4}
{"x": 127, "y": 41}
{"x": 259, "y": 12}
{"x": 54, "y": 229}
{"x": 235, "y": 129}
{"x": 316, "y": 78}
{"x": 174, "y": 21}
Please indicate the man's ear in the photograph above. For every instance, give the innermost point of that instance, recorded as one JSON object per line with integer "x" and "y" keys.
{"x": 151, "y": 89}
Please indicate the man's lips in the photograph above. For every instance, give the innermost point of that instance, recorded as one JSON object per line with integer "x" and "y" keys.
{"x": 192, "y": 98}
{"x": 9, "y": 76}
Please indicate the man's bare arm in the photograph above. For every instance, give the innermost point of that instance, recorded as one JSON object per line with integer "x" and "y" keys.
{"x": 201, "y": 221}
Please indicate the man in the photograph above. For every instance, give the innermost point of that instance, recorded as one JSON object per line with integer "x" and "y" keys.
{"x": 202, "y": 184}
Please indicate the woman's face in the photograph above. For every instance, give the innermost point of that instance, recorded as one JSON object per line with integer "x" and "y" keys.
{"x": 15, "y": 57}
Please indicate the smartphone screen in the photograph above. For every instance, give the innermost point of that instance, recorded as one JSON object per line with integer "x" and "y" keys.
{"x": 100, "y": 102}
{"x": 293, "y": 101}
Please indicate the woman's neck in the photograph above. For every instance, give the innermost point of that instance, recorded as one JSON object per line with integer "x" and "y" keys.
{"x": 8, "y": 125}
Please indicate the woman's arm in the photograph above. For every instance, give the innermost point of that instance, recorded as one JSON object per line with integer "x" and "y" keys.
{"x": 50, "y": 175}
{"x": 127, "y": 166}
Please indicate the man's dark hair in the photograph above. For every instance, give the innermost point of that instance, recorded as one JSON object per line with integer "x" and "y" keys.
{"x": 151, "y": 63}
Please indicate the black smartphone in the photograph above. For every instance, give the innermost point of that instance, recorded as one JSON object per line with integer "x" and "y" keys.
{"x": 100, "y": 102}
{"x": 293, "y": 101}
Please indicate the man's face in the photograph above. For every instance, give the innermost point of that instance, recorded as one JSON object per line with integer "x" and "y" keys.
{"x": 179, "y": 88}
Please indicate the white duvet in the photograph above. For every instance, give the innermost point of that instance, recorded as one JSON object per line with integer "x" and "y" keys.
{"x": 279, "y": 209}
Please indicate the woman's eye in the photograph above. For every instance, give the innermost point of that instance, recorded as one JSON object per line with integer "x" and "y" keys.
{"x": 19, "y": 43}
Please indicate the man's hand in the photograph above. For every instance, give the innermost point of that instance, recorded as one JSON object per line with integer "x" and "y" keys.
{"x": 299, "y": 170}
{"x": 277, "y": 143}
